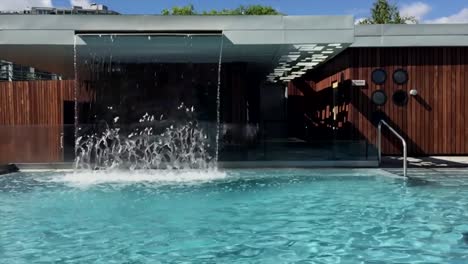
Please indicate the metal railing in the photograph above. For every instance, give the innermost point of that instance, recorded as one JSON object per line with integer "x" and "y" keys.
{"x": 10, "y": 71}
{"x": 403, "y": 141}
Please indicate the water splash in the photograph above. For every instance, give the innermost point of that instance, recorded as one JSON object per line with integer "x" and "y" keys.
{"x": 152, "y": 178}
{"x": 75, "y": 92}
{"x": 181, "y": 145}
{"x": 218, "y": 100}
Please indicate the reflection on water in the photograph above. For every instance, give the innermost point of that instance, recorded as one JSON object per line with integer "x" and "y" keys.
{"x": 254, "y": 216}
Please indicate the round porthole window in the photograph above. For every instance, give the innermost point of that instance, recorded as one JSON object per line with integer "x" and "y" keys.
{"x": 379, "y": 97}
{"x": 400, "y": 76}
{"x": 400, "y": 98}
{"x": 379, "y": 76}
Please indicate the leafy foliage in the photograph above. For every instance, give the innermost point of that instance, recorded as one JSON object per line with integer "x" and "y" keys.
{"x": 179, "y": 11}
{"x": 241, "y": 10}
{"x": 383, "y": 12}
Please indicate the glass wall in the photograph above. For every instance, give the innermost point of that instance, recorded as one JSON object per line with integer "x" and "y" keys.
{"x": 272, "y": 109}
{"x": 147, "y": 101}
{"x": 174, "y": 101}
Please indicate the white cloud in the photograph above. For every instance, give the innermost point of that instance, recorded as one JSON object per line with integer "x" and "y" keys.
{"x": 419, "y": 10}
{"x": 19, "y": 5}
{"x": 416, "y": 9}
{"x": 460, "y": 17}
{"x": 82, "y": 3}
{"x": 359, "y": 20}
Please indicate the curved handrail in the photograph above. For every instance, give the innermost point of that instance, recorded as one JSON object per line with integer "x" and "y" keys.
{"x": 403, "y": 141}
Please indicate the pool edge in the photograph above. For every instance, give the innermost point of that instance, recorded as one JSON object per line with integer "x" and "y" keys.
{"x": 233, "y": 164}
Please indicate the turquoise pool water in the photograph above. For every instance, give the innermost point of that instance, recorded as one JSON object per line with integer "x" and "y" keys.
{"x": 256, "y": 216}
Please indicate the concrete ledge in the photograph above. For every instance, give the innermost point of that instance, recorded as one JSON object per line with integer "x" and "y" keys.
{"x": 45, "y": 166}
{"x": 426, "y": 162}
{"x": 172, "y": 23}
{"x": 299, "y": 164}
{"x": 419, "y": 35}
{"x": 235, "y": 164}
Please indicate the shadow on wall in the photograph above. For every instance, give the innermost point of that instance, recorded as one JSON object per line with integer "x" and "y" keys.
{"x": 422, "y": 102}
{"x": 312, "y": 117}
{"x": 374, "y": 114}
{"x": 319, "y": 115}
{"x": 434, "y": 121}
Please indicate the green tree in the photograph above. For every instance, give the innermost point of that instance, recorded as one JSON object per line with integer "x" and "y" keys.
{"x": 187, "y": 10}
{"x": 383, "y": 12}
{"x": 241, "y": 10}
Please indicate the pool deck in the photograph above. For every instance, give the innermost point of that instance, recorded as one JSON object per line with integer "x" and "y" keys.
{"x": 434, "y": 167}
{"x": 426, "y": 162}
{"x": 234, "y": 165}
{"x": 392, "y": 164}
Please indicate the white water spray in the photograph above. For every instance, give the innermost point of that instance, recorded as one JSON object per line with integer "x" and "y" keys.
{"x": 218, "y": 100}
{"x": 76, "y": 85}
{"x": 150, "y": 144}
{"x": 182, "y": 145}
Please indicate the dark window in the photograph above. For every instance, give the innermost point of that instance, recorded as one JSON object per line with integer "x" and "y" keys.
{"x": 400, "y": 76}
{"x": 379, "y": 97}
{"x": 400, "y": 98}
{"x": 379, "y": 76}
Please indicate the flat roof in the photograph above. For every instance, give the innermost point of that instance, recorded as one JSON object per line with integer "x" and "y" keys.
{"x": 60, "y": 29}
{"x": 238, "y": 29}
{"x": 417, "y": 35}
{"x": 278, "y": 43}
{"x": 263, "y": 40}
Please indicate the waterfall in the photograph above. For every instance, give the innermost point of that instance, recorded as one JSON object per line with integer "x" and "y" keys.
{"x": 75, "y": 92}
{"x": 218, "y": 99}
{"x": 111, "y": 138}
{"x": 182, "y": 145}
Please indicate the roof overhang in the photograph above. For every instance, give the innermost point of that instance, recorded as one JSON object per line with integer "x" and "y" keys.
{"x": 269, "y": 41}
{"x": 284, "y": 46}
{"x": 240, "y": 30}
{"x": 418, "y": 35}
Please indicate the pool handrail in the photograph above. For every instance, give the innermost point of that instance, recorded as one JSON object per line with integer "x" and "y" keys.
{"x": 403, "y": 141}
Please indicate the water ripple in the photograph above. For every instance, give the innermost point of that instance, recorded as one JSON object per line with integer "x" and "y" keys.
{"x": 259, "y": 216}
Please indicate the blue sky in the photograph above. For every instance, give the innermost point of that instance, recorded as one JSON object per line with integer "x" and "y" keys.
{"x": 441, "y": 11}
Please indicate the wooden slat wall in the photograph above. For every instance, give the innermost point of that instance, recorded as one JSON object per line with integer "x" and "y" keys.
{"x": 335, "y": 70}
{"x": 31, "y": 118}
{"x": 435, "y": 122}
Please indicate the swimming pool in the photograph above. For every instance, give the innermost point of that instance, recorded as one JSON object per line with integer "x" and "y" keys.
{"x": 237, "y": 216}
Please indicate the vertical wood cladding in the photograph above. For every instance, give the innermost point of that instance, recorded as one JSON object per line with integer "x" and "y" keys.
{"x": 434, "y": 122}
{"x": 31, "y": 120}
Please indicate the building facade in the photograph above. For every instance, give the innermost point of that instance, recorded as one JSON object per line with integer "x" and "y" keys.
{"x": 94, "y": 9}
{"x": 292, "y": 89}
{"x": 14, "y": 72}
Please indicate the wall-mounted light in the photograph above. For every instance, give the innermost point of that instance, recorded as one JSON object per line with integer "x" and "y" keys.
{"x": 413, "y": 92}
